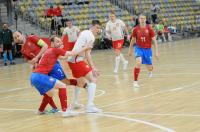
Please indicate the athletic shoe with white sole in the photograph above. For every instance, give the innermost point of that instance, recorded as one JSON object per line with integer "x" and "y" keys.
{"x": 93, "y": 109}
{"x": 150, "y": 74}
{"x": 41, "y": 112}
{"x": 69, "y": 113}
{"x": 125, "y": 65}
{"x": 135, "y": 84}
{"x": 77, "y": 105}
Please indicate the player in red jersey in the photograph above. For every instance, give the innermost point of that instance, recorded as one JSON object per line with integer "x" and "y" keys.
{"x": 40, "y": 77}
{"x": 142, "y": 36}
{"x": 32, "y": 49}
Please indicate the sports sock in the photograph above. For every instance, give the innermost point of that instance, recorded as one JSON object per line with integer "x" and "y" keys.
{"x": 44, "y": 103}
{"x": 136, "y": 73}
{"x": 63, "y": 98}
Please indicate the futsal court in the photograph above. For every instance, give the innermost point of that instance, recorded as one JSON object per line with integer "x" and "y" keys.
{"x": 167, "y": 102}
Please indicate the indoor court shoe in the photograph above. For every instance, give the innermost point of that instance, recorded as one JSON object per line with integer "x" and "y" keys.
{"x": 115, "y": 71}
{"x": 150, "y": 74}
{"x": 69, "y": 113}
{"x": 12, "y": 63}
{"x": 125, "y": 65}
{"x": 53, "y": 111}
{"x": 77, "y": 105}
{"x": 93, "y": 109}
{"x": 41, "y": 112}
{"x": 135, "y": 84}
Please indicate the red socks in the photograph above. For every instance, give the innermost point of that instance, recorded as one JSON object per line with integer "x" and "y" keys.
{"x": 46, "y": 99}
{"x": 136, "y": 73}
{"x": 52, "y": 103}
{"x": 73, "y": 82}
{"x": 63, "y": 98}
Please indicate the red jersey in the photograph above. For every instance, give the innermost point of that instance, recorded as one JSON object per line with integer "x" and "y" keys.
{"x": 48, "y": 60}
{"x": 143, "y": 36}
{"x": 50, "y": 12}
{"x": 30, "y": 49}
{"x": 57, "y": 11}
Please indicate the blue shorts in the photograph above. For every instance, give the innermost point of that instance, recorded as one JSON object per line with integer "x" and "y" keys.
{"x": 145, "y": 54}
{"x": 43, "y": 83}
{"x": 57, "y": 72}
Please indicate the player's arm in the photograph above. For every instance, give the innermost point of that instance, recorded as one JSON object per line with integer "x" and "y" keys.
{"x": 126, "y": 32}
{"x": 44, "y": 46}
{"x": 64, "y": 66}
{"x": 156, "y": 46}
{"x": 153, "y": 38}
{"x": 125, "y": 28}
{"x": 108, "y": 32}
{"x": 130, "y": 51}
{"x": 75, "y": 53}
{"x": 64, "y": 33}
{"x": 78, "y": 31}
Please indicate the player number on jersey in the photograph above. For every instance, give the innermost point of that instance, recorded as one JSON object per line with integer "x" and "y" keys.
{"x": 143, "y": 39}
{"x": 119, "y": 45}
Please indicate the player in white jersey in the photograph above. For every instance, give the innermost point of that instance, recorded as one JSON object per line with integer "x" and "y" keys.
{"x": 80, "y": 69}
{"x": 72, "y": 33}
{"x": 115, "y": 31}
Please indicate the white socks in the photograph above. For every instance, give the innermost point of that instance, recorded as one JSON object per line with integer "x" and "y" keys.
{"x": 91, "y": 93}
{"x": 76, "y": 94}
{"x": 117, "y": 61}
{"x": 122, "y": 58}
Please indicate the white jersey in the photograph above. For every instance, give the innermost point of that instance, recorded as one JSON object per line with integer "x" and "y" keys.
{"x": 86, "y": 38}
{"x": 72, "y": 33}
{"x": 115, "y": 30}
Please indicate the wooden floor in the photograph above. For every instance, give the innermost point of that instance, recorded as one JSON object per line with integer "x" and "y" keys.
{"x": 169, "y": 101}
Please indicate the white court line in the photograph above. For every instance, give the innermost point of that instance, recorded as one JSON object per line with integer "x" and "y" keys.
{"x": 157, "y": 74}
{"x": 14, "y": 96}
{"x": 153, "y": 114}
{"x": 13, "y": 72}
{"x": 8, "y": 109}
{"x": 149, "y": 95}
{"x": 11, "y": 90}
{"x": 102, "y": 93}
{"x": 107, "y": 115}
{"x": 14, "y": 78}
{"x": 136, "y": 120}
{"x": 120, "y": 113}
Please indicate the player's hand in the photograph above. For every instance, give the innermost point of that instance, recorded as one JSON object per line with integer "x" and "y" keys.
{"x": 89, "y": 46}
{"x": 157, "y": 55}
{"x": 70, "y": 53}
{"x": 95, "y": 72}
{"x": 34, "y": 60}
{"x": 130, "y": 53}
{"x": 62, "y": 57}
{"x": 128, "y": 37}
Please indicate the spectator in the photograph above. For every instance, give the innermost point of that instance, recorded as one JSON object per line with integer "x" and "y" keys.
{"x": 56, "y": 25}
{"x": 1, "y": 45}
{"x": 50, "y": 12}
{"x": 6, "y": 40}
{"x": 163, "y": 30}
{"x": 155, "y": 9}
{"x": 58, "y": 11}
{"x": 160, "y": 30}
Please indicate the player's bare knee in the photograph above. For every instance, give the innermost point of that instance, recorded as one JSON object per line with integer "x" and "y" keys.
{"x": 93, "y": 80}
